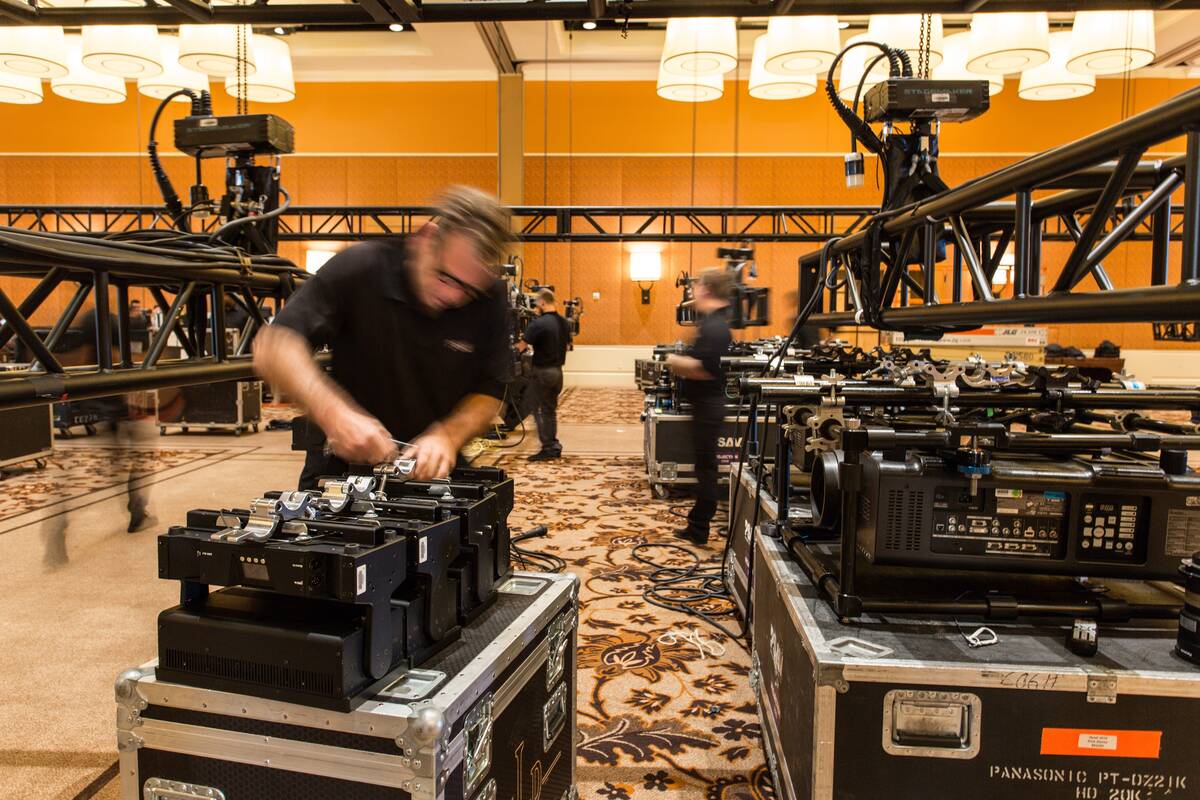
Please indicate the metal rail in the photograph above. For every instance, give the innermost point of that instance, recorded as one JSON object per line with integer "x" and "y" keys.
{"x": 965, "y": 223}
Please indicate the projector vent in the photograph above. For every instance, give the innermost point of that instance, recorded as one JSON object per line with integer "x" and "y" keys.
{"x": 902, "y": 521}
{"x": 234, "y": 669}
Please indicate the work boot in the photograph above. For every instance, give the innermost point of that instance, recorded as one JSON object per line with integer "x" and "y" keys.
{"x": 545, "y": 455}
{"x": 692, "y": 535}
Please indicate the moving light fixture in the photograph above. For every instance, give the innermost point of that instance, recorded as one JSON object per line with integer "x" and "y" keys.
{"x": 127, "y": 51}
{"x": 19, "y": 89}
{"x": 273, "y": 82}
{"x": 700, "y": 46}
{"x": 83, "y": 83}
{"x": 214, "y": 49}
{"x": 801, "y": 45}
{"x": 954, "y": 63}
{"x": 1108, "y": 42}
{"x": 1052, "y": 80}
{"x": 903, "y": 31}
{"x": 1008, "y": 42}
{"x": 767, "y": 85}
{"x": 854, "y": 63}
{"x": 645, "y": 267}
{"x": 39, "y": 51}
{"x": 173, "y": 77}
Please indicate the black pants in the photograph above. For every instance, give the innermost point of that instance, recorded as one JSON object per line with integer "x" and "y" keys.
{"x": 707, "y": 416}
{"x": 547, "y": 382}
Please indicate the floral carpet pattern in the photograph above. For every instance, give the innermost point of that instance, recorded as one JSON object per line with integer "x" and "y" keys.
{"x": 600, "y": 405}
{"x": 662, "y": 712}
{"x": 81, "y": 470}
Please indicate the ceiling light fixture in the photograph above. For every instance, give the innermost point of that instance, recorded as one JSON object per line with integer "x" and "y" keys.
{"x": 767, "y": 85}
{"x": 843, "y": 25}
{"x": 1008, "y": 42}
{"x": 590, "y": 25}
{"x": 127, "y": 51}
{"x": 1052, "y": 80}
{"x": 1109, "y": 42}
{"x": 854, "y": 63}
{"x": 38, "y": 51}
{"x": 213, "y": 49}
{"x": 693, "y": 89}
{"x": 19, "y": 89}
{"x": 173, "y": 77}
{"x": 903, "y": 31}
{"x": 279, "y": 31}
{"x": 396, "y": 27}
{"x": 700, "y": 46}
{"x": 800, "y": 45}
{"x": 273, "y": 82}
{"x": 954, "y": 63}
{"x": 83, "y": 83}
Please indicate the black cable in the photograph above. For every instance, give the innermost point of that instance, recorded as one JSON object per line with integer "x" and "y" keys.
{"x": 544, "y": 562}
{"x": 254, "y": 219}
{"x": 685, "y": 589}
{"x": 165, "y": 187}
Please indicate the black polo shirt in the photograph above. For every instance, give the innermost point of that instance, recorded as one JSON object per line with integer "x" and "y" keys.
{"x": 402, "y": 365}
{"x": 712, "y": 341}
{"x": 549, "y": 335}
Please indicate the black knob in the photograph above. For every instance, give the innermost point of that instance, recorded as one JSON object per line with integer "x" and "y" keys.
{"x": 1173, "y": 462}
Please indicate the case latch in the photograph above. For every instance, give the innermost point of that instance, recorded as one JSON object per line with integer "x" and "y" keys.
{"x": 488, "y": 792}
{"x": 477, "y": 746}
{"x": 159, "y": 789}
{"x": 557, "y": 637}
{"x": 1101, "y": 689}
{"x": 554, "y": 715}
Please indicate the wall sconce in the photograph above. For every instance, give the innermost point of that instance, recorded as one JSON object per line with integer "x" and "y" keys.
{"x": 645, "y": 266}
{"x": 315, "y": 259}
{"x": 1004, "y": 270}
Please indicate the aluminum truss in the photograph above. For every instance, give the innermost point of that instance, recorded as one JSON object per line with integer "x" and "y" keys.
{"x": 814, "y": 224}
{"x": 895, "y": 257}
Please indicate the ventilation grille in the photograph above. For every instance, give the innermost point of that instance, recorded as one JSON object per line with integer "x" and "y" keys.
{"x": 902, "y": 521}
{"x": 236, "y": 669}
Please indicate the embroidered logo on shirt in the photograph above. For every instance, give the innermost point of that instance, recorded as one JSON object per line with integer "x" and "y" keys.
{"x": 460, "y": 346}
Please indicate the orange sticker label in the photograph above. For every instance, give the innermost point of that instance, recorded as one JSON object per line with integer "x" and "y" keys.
{"x": 1103, "y": 743}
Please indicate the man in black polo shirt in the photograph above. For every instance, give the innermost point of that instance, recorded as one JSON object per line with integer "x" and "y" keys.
{"x": 419, "y": 335}
{"x": 550, "y": 337}
{"x": 703, "y": 387}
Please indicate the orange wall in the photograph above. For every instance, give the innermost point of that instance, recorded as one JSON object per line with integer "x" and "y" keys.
{"x": 398, "y": 144}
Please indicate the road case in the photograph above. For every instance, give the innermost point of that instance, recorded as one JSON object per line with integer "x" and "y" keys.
{"x": 26, "y": 434}
{"x": 491, "y": 716}
{"x": 906, "y": 708}
{"x": 667, "y": 445}
{"x": 225, "y": 406}
{"x": 739, "y": 556}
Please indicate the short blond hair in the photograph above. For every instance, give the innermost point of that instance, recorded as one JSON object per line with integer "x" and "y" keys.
{"x": 478, "y": 215}
{"x": 546, "y": 296}
{"x": 718, "y": 282}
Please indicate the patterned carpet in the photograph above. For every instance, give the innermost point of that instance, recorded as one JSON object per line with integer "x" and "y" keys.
{"x": 659, "y": 715}
{"x": 591, "y": 405}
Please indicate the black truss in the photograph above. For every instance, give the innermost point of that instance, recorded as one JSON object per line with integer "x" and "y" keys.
{"x": 895, "y": 256}
{"x": 816, "y": 224}
{"x": 373, "y": 12}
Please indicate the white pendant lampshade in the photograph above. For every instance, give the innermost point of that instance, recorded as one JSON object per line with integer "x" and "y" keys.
{"x": 700, "y": 46}
{"x": 273, "y": 82}
{"x": 767, "y": 85}
{"x": 1052, "y": 80}
{"x": 213, "y": 49}
{"x": 1108, "y": 42}
{"x": 1008, "y": 42}
{"x": 19, "y": 89}
{"x": 854, "y": 63}
{"x": 173, "y": 77}
{"x": 690, "y": 88}
{"x": 801, "y": 45}
{"x": 127, "y": 51}
{"x": 38, "y": 51}
{"x": 954, "y": 64}
{"x": 83, "y": 83}
{"x": 903, "y": 31}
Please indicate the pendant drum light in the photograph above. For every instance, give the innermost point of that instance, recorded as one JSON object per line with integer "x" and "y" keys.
{"x": 19, "y": 89}
{"x": 39, "y": 51}
{"x": 903, "y": 31}
{"x": 127, "y": 51}
{"x": 801, "y": 45}
{"x": 954, "y": 64}
{"x": 767, "y": 85}
{"x": 213, "y": 49}
{"x": 1109, "y": 42}
{"x": 1052, "y": 80}
{"x": 83, "y": 83}
{"x": 700, "y": 46}
{"x": 173, "y": 77}
{"x": 693, "y": 89}
{"x": 1008, "y": 42}
{"x": 273, "y": 82}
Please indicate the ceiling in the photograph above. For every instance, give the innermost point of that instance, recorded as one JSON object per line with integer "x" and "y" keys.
{"x": 455, "y": 51}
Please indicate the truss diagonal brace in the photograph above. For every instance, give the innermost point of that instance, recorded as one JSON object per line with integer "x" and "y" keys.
{"x": 199, "y": 10}
{"x": 18, "y": 10}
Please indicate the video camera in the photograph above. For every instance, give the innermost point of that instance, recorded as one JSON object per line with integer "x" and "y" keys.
{"x": 750, "y": 305}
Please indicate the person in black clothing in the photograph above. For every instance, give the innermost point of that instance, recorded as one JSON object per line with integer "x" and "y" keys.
{"x": 419, "y": 335}
{"x": 703, "y": 387}
{"x": 550, "y": 337}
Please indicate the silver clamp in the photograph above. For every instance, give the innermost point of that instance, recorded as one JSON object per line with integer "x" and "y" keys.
{"x": 339, "y": 495}
{"x": 266, "y": 516}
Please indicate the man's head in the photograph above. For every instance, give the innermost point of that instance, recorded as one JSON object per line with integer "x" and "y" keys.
{"x": 713, "y": 290}
{"x": 543, "y": 301}
{"x": 135, "y": 305}
{"x": 457, "y": 254}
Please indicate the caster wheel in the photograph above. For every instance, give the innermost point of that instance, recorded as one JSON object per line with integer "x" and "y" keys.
{"x": 91, "y": 429}
{"x": 40, "y": 463}
{"x": 162, "y": 431}
{"x": 255, "y": 427}
{"x": 183, "y": 429}
{"x": 237, "y": 431}
{"x": 64, "y": 433}
{"x": 659, "y": 491}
